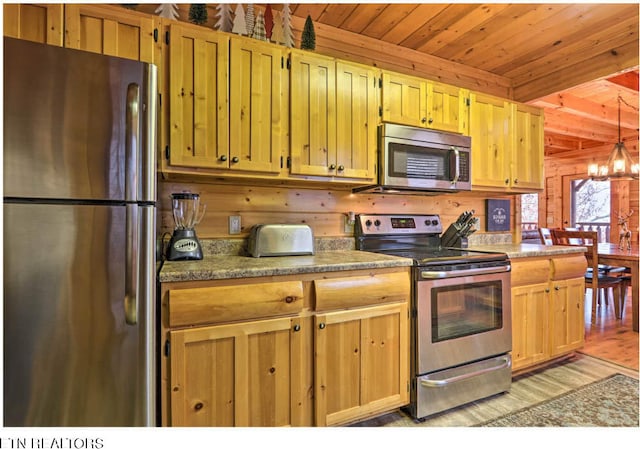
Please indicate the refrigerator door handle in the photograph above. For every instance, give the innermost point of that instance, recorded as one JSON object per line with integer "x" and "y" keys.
{"x": 132, "y": 265}
{"x": 132, "y": 143}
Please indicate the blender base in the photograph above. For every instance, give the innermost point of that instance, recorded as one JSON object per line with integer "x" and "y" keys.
{"x": 184, "y": 245}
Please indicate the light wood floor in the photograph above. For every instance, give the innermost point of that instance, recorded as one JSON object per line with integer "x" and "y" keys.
{"x": 610, "y": 338}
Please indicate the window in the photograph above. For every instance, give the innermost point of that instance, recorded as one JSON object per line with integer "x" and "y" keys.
{"x": 591, "y": 206}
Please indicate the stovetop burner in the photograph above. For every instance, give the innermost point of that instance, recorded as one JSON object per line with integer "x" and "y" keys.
{"x": 415, "y": 237}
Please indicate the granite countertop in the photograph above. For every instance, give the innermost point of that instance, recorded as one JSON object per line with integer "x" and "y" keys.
{"x": 516, "y": 251}
{"x": 237, "y": 266}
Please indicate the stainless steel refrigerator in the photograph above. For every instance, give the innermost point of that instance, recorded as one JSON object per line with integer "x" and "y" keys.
{"x": 79, "y": 238}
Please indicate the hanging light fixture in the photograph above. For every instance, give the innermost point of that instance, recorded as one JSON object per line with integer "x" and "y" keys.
{"x": 619, "y": 166}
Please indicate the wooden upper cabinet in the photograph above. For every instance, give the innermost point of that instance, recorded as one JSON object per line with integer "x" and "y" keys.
{"x": 447, "y": 108}
{"x": 198, "y": 97}
{"x": 413, "y": 101}
{"x": 38, "y": 23}
{"x": 489, "y": 130}
{"x": 357, "y": 120}
{"x": 404, "y": 99}
{"x": 109, "y": 30}
{"x": 507, "y": 145}
{"x": 313, "y": 114}
{"x": 258, "y": 108}
{"x": 528, "y": 147}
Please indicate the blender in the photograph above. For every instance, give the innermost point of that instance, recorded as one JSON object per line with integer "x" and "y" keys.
{"x": 184, "y": 245}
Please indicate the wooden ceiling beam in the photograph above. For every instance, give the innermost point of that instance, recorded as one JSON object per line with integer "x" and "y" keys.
{"x": 567, "y": 124}
{"x": 570, "y": 104}
{"x": 613, "y": 61}
{"x": 628, "y": 80}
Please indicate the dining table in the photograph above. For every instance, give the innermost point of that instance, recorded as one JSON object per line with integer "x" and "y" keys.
{"x": 611, "y": 254}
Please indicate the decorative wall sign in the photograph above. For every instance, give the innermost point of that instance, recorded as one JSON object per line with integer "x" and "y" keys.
{"x": 498, "y": 215}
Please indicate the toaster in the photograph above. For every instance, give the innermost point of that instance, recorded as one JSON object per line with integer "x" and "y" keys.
{"x": 280, "y": 240}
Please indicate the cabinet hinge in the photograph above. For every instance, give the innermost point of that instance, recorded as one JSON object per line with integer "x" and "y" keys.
{"x": 167, "y": 152}
{"x": 282, "y": 62}
{"x": 289, "y": 63}
{"x": 380, "y": 83}
{"x": 380, "y": 111}
{"x": 167, "y": 348}
{"x": 159, "y": 100}
{"x": 155, "y": 35}
{"x": 281, "y": 161}
{"x": 408, "y": 387}
{"x": 288, "y": 162}
{"x": 468, "y": 101}
{"x": 166, "y": 38}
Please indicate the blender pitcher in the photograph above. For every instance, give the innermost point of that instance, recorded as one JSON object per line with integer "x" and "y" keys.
{"x": 184, "y": 244}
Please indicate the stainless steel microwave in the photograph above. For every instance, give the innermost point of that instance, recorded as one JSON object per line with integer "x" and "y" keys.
{"x": 416, "y": 160}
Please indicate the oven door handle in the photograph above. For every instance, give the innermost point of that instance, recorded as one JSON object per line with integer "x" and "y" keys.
{"x": 506, "y": 363}
{"x": 460, "y": 273}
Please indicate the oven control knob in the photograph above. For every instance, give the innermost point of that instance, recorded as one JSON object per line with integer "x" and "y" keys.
{"x": 434, "y": 222}
{"x": 427, "y": 222}
{"x": 377, "y": 223}
{"x": 367, "y": 223}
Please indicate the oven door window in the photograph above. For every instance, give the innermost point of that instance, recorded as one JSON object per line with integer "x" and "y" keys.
{"x": 461, "y": 310}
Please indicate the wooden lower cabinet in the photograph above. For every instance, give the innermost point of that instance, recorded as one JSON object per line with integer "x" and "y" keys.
{"x": 547, "y": 298}
{"x": 530, "y": 327}
{"x": 361, "y": 365}
{"x": 244, "y": 374}
{"x": 314, "y": 349}
{"x": 567, "y": 316}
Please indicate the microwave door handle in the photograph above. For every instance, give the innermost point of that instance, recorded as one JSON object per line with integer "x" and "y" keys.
{"x": 456, "y": 156}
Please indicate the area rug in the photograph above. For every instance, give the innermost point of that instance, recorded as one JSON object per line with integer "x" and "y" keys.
{"x": 610, "y": 402}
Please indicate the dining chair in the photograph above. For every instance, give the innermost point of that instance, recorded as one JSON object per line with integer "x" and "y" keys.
{"x": 598, "y": 283}
{"x": 545, "y": 236}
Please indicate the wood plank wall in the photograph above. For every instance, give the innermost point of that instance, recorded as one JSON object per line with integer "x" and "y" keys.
{"x": 322, "y": 210}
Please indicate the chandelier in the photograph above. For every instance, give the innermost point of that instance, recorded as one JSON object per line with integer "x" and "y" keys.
{"x": 619, "y": 166}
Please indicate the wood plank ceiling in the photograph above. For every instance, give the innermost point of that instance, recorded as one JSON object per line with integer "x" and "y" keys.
{"x": 572, "y": 59}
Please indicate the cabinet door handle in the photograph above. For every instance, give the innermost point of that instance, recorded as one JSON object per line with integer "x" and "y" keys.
{"x": 515, "y": 181}
{"x": 430, "y": 120}
{"x": 556, "y": 288}
{"x": 235, "y": 159}
{"x": 424, "y": 120}
{"x": 296, "y": 328}
{"x": 321, "y": 325}
{"x": 506, "y": 181}
{"x": 223, "y": 158}
{"x": 546, "y": 290}
{"x": 289, "y": 299}
{"x": 332, "y": 167}
{"x": 340, "y": 167}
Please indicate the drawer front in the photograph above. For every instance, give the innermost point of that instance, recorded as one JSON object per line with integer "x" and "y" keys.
{"x": 527, "y": 272}
{"x": 234, "y": 303}
{"x": 568, "y": 267}
{"x": 358, "y": 291}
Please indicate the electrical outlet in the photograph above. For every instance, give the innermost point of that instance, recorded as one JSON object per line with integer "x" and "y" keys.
{"x": 235, "y": 225}
{"x": 348, "y": 227}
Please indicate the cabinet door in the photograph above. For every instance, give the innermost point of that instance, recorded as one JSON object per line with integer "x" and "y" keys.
{"x": 567, "y": 316}
{"x": 362, "y": 362}
{"x": 357, "y": 120}
{"x": 109, "y": 30}
{"x": 198, "y": 121}
{"x": 313, "y": 114}
{"x": 404, "y": 99}
{"x": 238, "y": 374}
{"x": 39, "y": 23}
{"x": 447, "y": 108}
{"x": 530, "y": 324}
{"x": 527, "y": 161}
{"x": 257, "y": 122}
{"x": 489, "y": 131}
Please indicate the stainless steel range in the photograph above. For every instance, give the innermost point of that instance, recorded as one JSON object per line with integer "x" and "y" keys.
{"x": 461, "y": 311}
